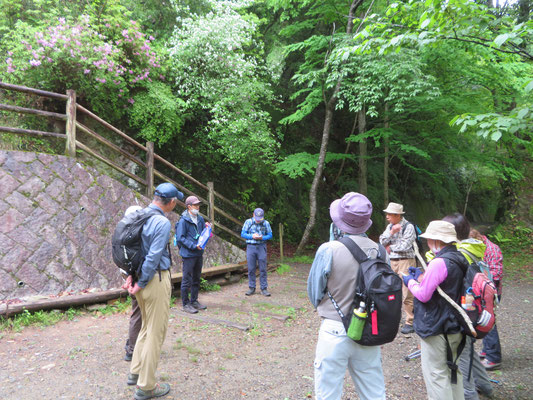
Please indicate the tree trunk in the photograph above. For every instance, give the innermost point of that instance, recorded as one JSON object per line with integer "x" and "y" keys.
{"x": 330, "y": 108}
{"x": 386, "y": 159}
{"x": 363, "y": 187}
{"x": 346, "y": 151}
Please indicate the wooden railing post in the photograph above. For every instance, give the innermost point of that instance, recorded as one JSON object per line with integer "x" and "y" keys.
{"x": 149, "y": 169}
{"x": 70, "y": 148}
{"x": 281, "y": 241}
{"x": 211, "y": 199}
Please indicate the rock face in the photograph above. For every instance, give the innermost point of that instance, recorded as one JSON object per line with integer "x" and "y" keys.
{"x": 56, "y": 221}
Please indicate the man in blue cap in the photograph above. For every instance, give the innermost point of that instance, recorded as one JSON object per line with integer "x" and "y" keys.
{"x": 152, "y": 292}
{"x": 257, "y": 231}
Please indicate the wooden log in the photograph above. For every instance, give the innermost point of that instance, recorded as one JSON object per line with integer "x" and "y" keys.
{"x": 63, "y": 302}
{"x": 31, "y": 132}
{"x": 214, "y": 271}
{"x": 98, "y": 297}
{"x": 25, "y": 89}
{"x": 24, "y": 110}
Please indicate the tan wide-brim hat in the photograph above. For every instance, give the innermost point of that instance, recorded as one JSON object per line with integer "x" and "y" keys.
{"x": 394, "y": 208}
{"x": 440, "y": 230}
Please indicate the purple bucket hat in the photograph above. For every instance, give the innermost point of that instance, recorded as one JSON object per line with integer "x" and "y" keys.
{"x": 351, "y": 214}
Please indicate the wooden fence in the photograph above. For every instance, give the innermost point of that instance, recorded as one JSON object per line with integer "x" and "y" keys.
{"x": 72, "y": 144}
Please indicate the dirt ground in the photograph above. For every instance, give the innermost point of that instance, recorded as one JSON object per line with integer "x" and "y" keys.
{"x": 83, "y": 358}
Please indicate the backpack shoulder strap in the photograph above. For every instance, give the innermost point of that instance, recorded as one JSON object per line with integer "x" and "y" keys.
{"x": 356, "y": 251}
{"x": 465, "y": 251}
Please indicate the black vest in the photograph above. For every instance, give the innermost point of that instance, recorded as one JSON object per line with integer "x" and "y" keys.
{"x": 436, "y": 316}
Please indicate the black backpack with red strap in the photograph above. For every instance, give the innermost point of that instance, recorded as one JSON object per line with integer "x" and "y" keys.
{"x": 380, "y": 288}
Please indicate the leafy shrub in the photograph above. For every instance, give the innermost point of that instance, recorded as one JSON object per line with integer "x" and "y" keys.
{"x": 104, "y": 68}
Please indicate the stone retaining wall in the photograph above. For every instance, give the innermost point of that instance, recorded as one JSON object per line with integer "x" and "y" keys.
{"x": 56, "y": 221}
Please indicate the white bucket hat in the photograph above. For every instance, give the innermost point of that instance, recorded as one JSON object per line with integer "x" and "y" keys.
{"x": 440, "y": 230}
{"x": 394, "y": 208}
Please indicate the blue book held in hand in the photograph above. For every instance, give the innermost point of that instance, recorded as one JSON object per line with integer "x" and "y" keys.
{"x": 204, "y": 237}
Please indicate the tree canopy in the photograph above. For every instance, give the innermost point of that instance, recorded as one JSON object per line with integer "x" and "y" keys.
{"x": 289, "y": 104}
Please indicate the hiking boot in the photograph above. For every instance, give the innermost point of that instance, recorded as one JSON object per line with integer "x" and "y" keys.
{"x": 160, "y": 389}
{"x": 250, "y": 291}
{"x": 132, "y": 379}
{"x": 490, "y": 366}
{"x": 407, "y": 329}
{"x": 189, "y": 308}
{"x": 197, "y": 305}
{"x": 265, "y": 292}
{"x": 128, "y": 356}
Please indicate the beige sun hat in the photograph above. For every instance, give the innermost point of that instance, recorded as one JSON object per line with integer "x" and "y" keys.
{"x": 440, "y": 230}
{"x": 394, "y": 208}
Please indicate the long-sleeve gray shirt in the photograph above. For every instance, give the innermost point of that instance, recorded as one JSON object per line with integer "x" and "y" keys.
{"x": 400, "y": 243}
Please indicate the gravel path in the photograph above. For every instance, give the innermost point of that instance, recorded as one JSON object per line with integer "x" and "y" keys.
{"x": 82, "y": 359}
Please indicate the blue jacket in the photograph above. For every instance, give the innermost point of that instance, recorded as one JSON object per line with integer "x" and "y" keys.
{"x": 187, "y": 234}
{"x": 154, "y": 241}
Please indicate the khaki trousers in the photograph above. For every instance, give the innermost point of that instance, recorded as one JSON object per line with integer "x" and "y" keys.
{"x": 154, "y": 302}
{"x": 437, "y": 375}
{"x": 402, "y": 267}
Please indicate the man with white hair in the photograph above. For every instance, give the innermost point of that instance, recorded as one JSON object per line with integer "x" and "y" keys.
{"x": 398, "y": 239}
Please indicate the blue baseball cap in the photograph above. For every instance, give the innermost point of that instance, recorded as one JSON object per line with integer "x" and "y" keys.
{"x": 259, "y": 214}
{"x": 168, "y": 190}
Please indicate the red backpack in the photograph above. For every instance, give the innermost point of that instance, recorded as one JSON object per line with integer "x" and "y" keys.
{"x": 480, "y": 307}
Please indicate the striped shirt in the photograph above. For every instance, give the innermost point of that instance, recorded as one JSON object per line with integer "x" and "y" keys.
{"x": 494, "y": 259}
{"x": 401, "y": 243}
{"x": 250, "y": 227}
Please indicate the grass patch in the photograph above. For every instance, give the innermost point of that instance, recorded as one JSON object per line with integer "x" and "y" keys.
{"x": 205, "y": 286}
{"x": 515, "y": 241}
{"x": 283, "y": 269}
{"x": 276, "y": 309}
{"x": 115, "y": 307}
{"x": 302, "y": 259}
{"x": 18, "y": 322}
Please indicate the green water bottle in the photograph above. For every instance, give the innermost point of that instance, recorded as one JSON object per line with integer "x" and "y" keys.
{"x": 355, "y": 330}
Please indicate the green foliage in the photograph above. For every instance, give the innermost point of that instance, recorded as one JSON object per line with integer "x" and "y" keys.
{"x": 515, "y": 240}
{"x": 38, "y": 318}
{"x": 224, "y": 84}
{"x": 104, "y": 68}
{"x": 157, "y": 114}
{"x": 300, "y": 164}
{"x": 301, "y": 259}
{"x": 283, "y": 269}
{"x": 208, "y": 287}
